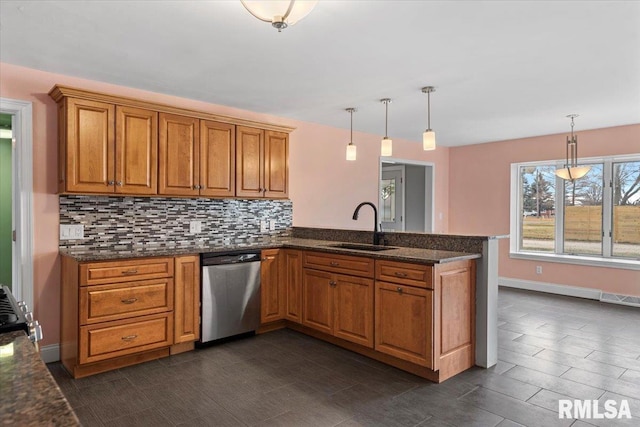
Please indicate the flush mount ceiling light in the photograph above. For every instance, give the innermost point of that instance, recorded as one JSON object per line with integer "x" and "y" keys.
{"x": 572, "y": 171}
{"x": 386, "y": 147}
{"x": 428, "y": 136}
{"x": 280, "y": 13}
{"x": 351, "y": 148}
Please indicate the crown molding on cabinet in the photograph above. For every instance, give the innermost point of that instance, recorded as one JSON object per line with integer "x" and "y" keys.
{"x": 60, "y": 91}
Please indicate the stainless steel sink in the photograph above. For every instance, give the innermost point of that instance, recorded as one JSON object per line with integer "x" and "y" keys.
{"x": 361, "y": 247}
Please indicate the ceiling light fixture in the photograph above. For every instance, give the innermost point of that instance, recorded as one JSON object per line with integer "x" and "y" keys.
{"x": 351, "y": 148}
{"x": 280, "y": 13}
{"x": 386, "y": 147}
{"x": 428, "y": 136}
{"x": 572, "y": 171}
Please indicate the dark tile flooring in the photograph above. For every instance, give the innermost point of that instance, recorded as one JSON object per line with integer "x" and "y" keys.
{"x": 551, "y": 348}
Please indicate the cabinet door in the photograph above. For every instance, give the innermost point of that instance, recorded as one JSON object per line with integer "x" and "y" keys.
{"x": 179, "y": 150}
{"x": 404, "y": 322}
{"x": 317, "y": 311}
{"x": 276, "y": 166}
{"x": 249, "y": 162}
{"x": 272, "y": 297}
{"x": 136, "y": 151}
{"x": 90, "y": 145}
{"x": 187, "y": 299}
{"x": 353, "y": 309}
{"x": 217, "y": 159}
{"x": 293, "y": 281}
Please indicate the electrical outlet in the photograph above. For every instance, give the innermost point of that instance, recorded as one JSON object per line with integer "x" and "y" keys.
{"x": 195, "y": 227}
{"x": 538, "y": 269}
{"x": 71, "y": 231}
{"x": 272, "y": 224}
{"x": 264, "y": 226}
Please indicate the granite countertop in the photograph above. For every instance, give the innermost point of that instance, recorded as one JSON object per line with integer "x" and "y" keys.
{"x": 30, "y": 395}
{"x": 416, "y": 255}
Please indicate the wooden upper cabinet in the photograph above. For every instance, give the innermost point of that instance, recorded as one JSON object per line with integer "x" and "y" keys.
{"x": 276, "y": 168}
{"x": 136, "y": 151}
{"x": 88, "y": 147}
{"x": 217, "y": 159}
{"x": 179, "y": 151}
{"x": 249, "y": 162}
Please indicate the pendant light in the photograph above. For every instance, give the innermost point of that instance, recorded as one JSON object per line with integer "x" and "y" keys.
{"x": 280, "y": 13}
{"x": 572, "y": 171}
{"x": 386, "y": 146}
{"x": 428, "y": 136}
{"x": 351, "y": 148}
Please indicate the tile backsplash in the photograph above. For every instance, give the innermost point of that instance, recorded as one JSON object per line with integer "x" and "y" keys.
{"x": 122, "y": 222}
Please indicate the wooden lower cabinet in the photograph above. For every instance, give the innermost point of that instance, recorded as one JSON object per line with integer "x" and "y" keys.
{"x": 404, "y": 322}
{"x": 339, "y": 305}
{"x": 272, "y": 289}
{"x": 119, "y": 313}
{"x": 292, "y": 272}
{"x": 187, "y": 299}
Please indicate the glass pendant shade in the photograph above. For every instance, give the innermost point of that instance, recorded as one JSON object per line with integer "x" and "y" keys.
{"x": 386, "y": 147}
{"x": 571, "y": 170}
{"x": 429, "y": 140}
{"x": 275, "y": 11}
{"x": 572, "y": 173}
{"x": 351, "y": 152}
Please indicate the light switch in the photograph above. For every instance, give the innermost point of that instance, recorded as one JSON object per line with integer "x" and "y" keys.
{"x": 71, "y": 231}
{"x": 272, "y": 224}
{"x": 195, "y": 227}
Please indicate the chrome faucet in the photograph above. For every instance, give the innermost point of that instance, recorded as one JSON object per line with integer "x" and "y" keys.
{"x": 376, "y": 233}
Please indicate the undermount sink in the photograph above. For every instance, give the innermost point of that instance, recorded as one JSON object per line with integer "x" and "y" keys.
{"x": 361, "y": 247}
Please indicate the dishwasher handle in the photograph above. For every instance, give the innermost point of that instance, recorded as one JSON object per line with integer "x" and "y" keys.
{"x": 235, "y": 258}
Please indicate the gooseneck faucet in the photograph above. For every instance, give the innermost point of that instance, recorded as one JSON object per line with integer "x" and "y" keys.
{"x": 376, "y": 233}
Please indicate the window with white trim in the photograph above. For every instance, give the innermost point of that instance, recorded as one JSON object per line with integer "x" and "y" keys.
{"x": 596, "y": 216}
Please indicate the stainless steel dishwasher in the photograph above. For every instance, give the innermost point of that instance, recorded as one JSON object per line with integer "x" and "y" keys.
{"x": 230, "y": 294}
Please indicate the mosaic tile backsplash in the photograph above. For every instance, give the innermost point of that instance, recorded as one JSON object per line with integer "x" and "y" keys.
{"x": 122, "y": 222}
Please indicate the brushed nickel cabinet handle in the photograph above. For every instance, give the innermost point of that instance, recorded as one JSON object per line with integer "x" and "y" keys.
{"x": 119, "y": 183}
{"x": 133, "y": 271}
{"x": 334, "y": 264}
{"x": 129, "y": 338}
{"x": 110, "y": 183}
{"x": 259, "y": 190}
{"x": 399, "y": 274}
{"x": 399, "y": 289}
{"x": 129, "y": 300}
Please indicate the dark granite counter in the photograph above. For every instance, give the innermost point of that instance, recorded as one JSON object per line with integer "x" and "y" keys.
{"x": 29, "y": 395}
{"x": 410, "y": 254}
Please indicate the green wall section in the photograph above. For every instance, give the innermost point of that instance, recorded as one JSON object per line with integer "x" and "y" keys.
{"x": 5, "y": 212}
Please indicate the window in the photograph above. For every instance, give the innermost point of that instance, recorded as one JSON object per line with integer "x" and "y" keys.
{"x": 595, "y": 217}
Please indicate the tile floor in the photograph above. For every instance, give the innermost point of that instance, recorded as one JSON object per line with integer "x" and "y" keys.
{"x": 551, "y": 347}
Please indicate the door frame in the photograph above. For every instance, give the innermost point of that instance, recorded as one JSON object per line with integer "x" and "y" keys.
{"x": 426, "y": 177}
{"x": 22, "y": 186}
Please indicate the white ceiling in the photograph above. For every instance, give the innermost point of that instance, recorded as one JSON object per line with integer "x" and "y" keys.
{"x": 501, "y": 69}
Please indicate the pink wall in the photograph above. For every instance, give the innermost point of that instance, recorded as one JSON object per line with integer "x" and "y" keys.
{"x": 479, "y": 186}
{"x": 324, "y": 188}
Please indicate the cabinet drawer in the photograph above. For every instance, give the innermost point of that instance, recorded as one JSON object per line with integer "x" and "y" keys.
{"x": 102, "y": 303}
{"x": 100, "y": 273}
{"x": 112, "y": 339}
{"x": 353, "y": 265}
{"x": 405, "y": 273}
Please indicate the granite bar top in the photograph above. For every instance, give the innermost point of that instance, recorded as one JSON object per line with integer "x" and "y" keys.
{"x": 416, "y": 255}
{"x": 29, "y": 395}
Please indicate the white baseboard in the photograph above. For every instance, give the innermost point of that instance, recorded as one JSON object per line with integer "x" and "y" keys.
{"x": 551, "y": 288}
{"x": 50, "y": 353}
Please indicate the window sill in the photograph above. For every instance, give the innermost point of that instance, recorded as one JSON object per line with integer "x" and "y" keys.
{"x": 627, "y": 264}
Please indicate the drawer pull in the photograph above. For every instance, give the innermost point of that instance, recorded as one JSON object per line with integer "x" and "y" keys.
{"x": 129, "y": 338}
{"x": 399, "y": 289}
{"x": 400, "y": 274}
{"x": 129, "y": 300}
{"x": 132, "y": 271}
{"x": 332, "y": 283}
{"x": 334, "y": 264}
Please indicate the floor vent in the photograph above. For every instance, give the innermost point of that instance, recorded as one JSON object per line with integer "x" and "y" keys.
{"x": 620, "y": 299}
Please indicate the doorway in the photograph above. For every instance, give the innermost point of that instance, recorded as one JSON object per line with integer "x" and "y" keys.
{"x": 406, "y": 195}
{"x": 6, "y": 200}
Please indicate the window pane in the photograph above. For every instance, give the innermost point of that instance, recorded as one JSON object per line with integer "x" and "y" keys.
{"x": 538, "y": 194}
{"x": 583, "y": 213}
{"x": 626, "y": 210}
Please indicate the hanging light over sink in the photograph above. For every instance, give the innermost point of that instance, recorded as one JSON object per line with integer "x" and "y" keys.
{"x": 280, "y": 13}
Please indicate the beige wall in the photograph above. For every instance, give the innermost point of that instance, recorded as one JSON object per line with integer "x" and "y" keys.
{"x": 325, "y": 188}
{"x": 480, "y": 191}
